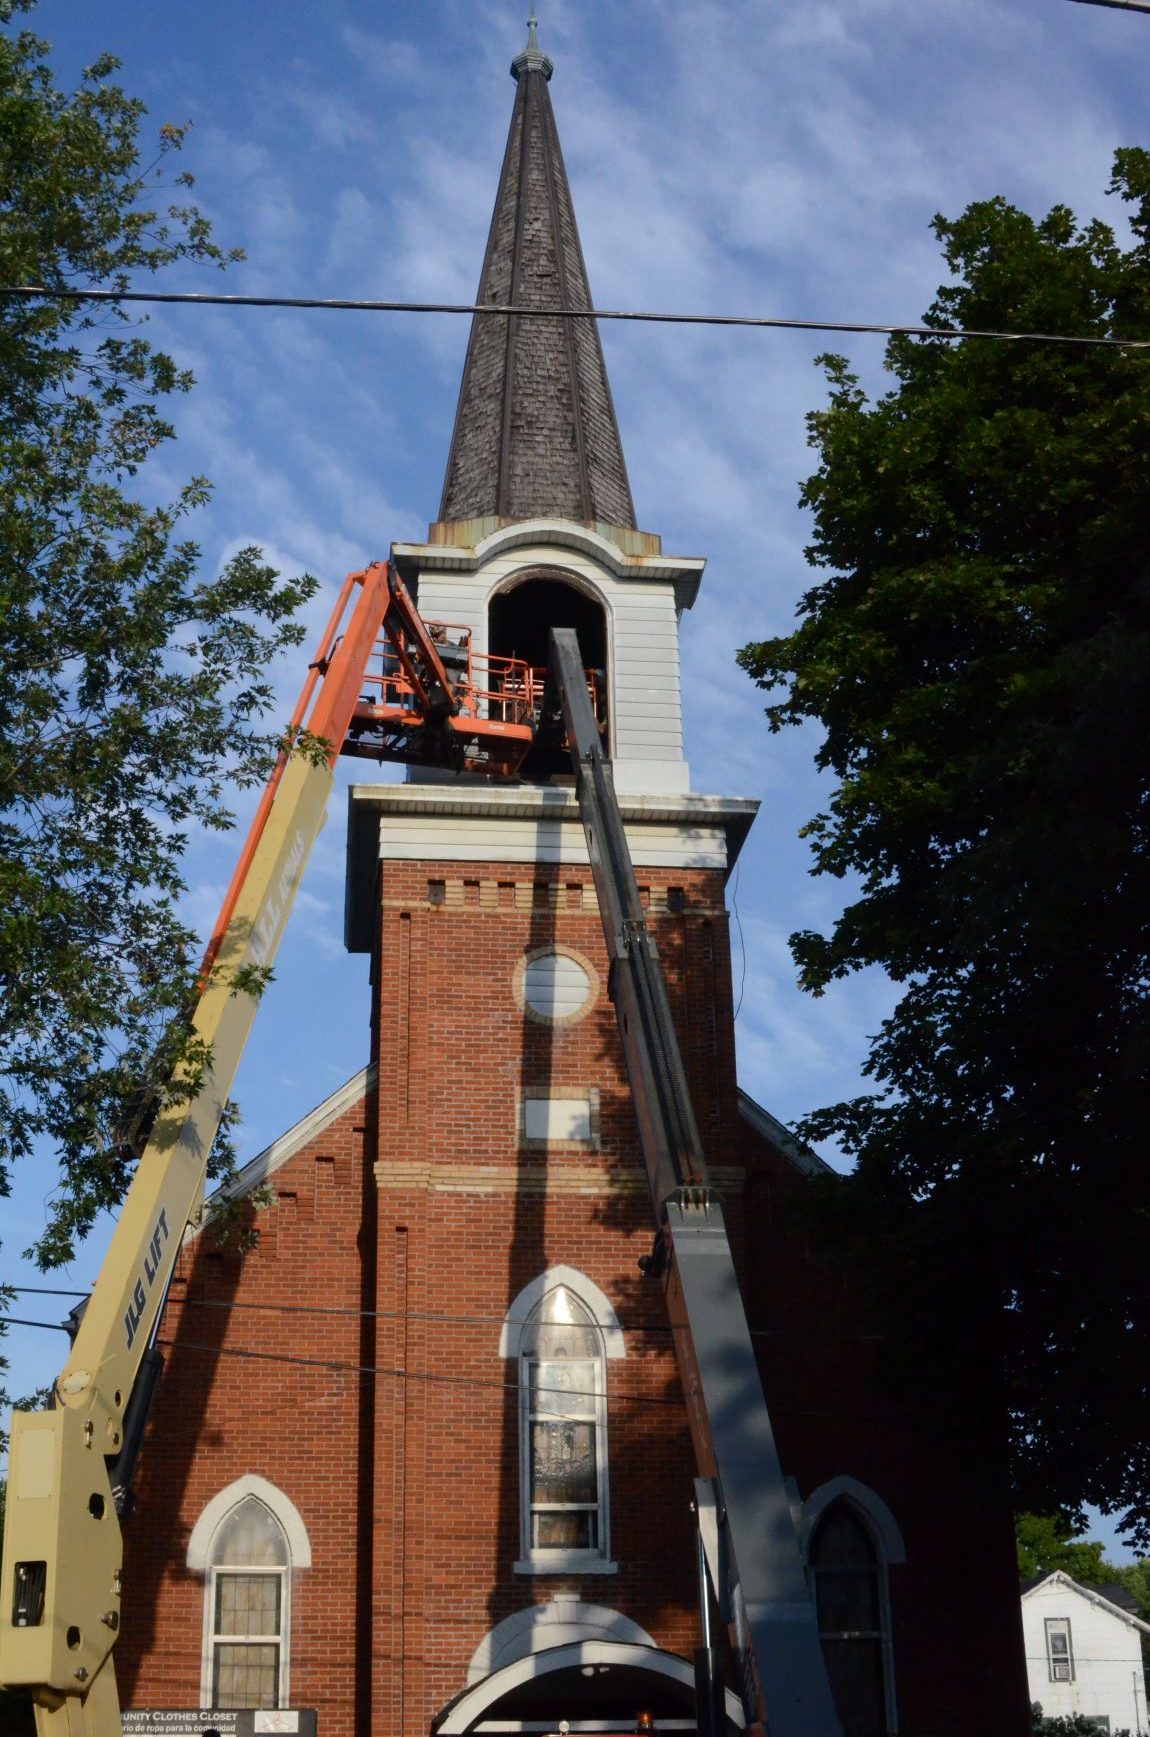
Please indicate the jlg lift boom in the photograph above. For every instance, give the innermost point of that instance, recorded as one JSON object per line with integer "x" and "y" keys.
{"x": 60, "y": 1587}
{"x": 431, "y": 702}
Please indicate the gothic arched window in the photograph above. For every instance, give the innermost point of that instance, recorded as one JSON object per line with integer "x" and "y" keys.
{"x": 563, "y": 1330}
{"x": 563, "y": 1420}
{"x": 246, "y": 1543}
{"x": 850, "y": 1594}
{"x": 248, "y": 1597}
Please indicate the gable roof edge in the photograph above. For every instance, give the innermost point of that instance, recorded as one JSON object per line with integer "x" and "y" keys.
{"x": 1061, "y": 1578}
{"x": 788, "y": 1145}
{"x": 285, "y": 1147}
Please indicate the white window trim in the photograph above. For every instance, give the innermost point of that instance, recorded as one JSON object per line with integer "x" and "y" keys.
{"x": 598, "y": 1306}
{"x": 212, "y": 1639}
{"x": 1058, "y": 1624}
{"x": 217, "y": 1510}
{"x": 883, "y": 1531}
{"x": 199, "y": 1561}
{"x": 595, "y": 1301}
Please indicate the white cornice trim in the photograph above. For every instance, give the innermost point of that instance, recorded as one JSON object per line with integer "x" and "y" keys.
{"x": 685, "y": 571}
{"x": 561, "y": 1621}
{"x": 533, "y": 802}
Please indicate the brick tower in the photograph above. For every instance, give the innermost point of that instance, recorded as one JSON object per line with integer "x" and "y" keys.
{"x": 421, "y": 1458}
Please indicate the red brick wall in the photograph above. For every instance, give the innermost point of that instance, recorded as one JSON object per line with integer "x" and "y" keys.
{"x": 417, "y": 1218}
{"x": 487, "y": 1218}
{"x": 258, "y": 1380}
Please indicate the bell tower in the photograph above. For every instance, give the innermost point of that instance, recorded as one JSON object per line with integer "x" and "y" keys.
{"x": 536, "y": 529}
{"x": 536, "y": 524}
{"x": 511, "y": 1202}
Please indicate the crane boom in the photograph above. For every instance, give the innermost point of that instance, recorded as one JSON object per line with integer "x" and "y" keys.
{"x": 60, "y": 1586}
{"x": 761, "y": 1587}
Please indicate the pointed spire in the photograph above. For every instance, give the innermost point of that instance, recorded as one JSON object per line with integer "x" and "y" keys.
{"x": 532, "y": 60}
{"x": 535, "y": 430}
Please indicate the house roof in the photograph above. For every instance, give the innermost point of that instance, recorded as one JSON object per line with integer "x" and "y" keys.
{"x": 1104, "y": 1597}
{"x": 535, "y": 430}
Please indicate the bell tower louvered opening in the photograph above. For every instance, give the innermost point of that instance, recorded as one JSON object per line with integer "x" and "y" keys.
{"x": 519, "y": 623}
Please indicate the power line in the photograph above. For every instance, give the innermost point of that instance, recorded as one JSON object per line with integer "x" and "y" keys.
{"x": 48, "y": 1326}
{"x": 42, "y": 1291}
{"x": 435, "y": 1317}
{"x": 340, "y": 1366}
{"x": 647, "y": 316}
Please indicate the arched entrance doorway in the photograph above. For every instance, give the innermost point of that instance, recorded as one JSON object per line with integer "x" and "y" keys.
{"x": 594, "y": 1685}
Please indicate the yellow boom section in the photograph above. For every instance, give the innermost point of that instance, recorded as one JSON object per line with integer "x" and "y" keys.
{"x": 60, "y": 1587}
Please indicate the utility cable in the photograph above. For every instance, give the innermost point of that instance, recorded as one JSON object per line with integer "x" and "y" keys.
{"x": 339, "y": 1366}
{"x": 435, "y": 1318}
{"x": 742, "y": 944}
{"x": 43, "y": 1291}
{"x": 48, "y": 1326}
{"x": 647, "y": 316}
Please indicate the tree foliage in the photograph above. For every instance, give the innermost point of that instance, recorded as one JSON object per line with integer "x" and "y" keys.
{"x": 1048, "y": 1543}
{"x": 1065, "y": 1724}
{"x": 131, "y": 684}
{"x": 978, "y": 656}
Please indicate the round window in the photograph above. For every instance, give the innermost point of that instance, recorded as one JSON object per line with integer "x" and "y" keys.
{"x": 556, "y": 986}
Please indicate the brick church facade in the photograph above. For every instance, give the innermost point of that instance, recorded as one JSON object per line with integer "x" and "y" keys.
{"x": 420, "y": 1459}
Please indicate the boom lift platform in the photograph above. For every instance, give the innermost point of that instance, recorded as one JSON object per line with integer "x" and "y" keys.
{"x": 430, "y": 701}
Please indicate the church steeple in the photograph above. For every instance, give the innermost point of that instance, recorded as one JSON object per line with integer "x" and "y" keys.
{"x": 535, "y": 430}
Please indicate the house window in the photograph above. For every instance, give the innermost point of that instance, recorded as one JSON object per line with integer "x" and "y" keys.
{"x": 248, "y": 1591}
{"x": 563, "y": 1433}
{"x": 1059, "y": 1657}
{"x": 850, "y": 1599}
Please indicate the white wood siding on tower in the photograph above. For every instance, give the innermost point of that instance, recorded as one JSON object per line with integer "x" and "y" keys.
{"x": 441, "y": 838}
{"x": 642, "y": 650}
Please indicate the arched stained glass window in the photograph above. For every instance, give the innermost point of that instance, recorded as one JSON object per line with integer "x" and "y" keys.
{"x": 850, "y": 1596}
{"x": 562, "y": 1405}
{"x": 248, "y": 1592}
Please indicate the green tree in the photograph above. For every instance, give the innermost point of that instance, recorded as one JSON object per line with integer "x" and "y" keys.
{"x": 131, "y": 685}
{"x": 978, "y": 655}
{"x": 1047, "y": 1542}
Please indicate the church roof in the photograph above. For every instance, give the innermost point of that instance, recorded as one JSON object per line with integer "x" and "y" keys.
{"x": 535, "y": 430}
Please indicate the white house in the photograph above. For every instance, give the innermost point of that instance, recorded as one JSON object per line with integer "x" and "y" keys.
{"x": 1084, "y": 1654}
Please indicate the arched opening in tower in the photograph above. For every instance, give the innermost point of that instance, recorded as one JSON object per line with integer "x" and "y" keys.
{"x": 519, "y": 623}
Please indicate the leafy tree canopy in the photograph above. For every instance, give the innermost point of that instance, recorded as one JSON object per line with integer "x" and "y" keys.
{"x": 1049, "y": 1542}
{"x": 131, "y": 685}
{"x": 978, "y": 655}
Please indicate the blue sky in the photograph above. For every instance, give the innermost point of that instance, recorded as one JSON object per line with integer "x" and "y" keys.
{"x": 758, "y": 156}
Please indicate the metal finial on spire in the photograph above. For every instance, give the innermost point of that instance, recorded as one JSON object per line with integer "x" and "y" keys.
{"x": 532, "y": 59}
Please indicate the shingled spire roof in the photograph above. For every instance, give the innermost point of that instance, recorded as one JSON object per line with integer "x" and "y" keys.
{"x": 535, "y": 431}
